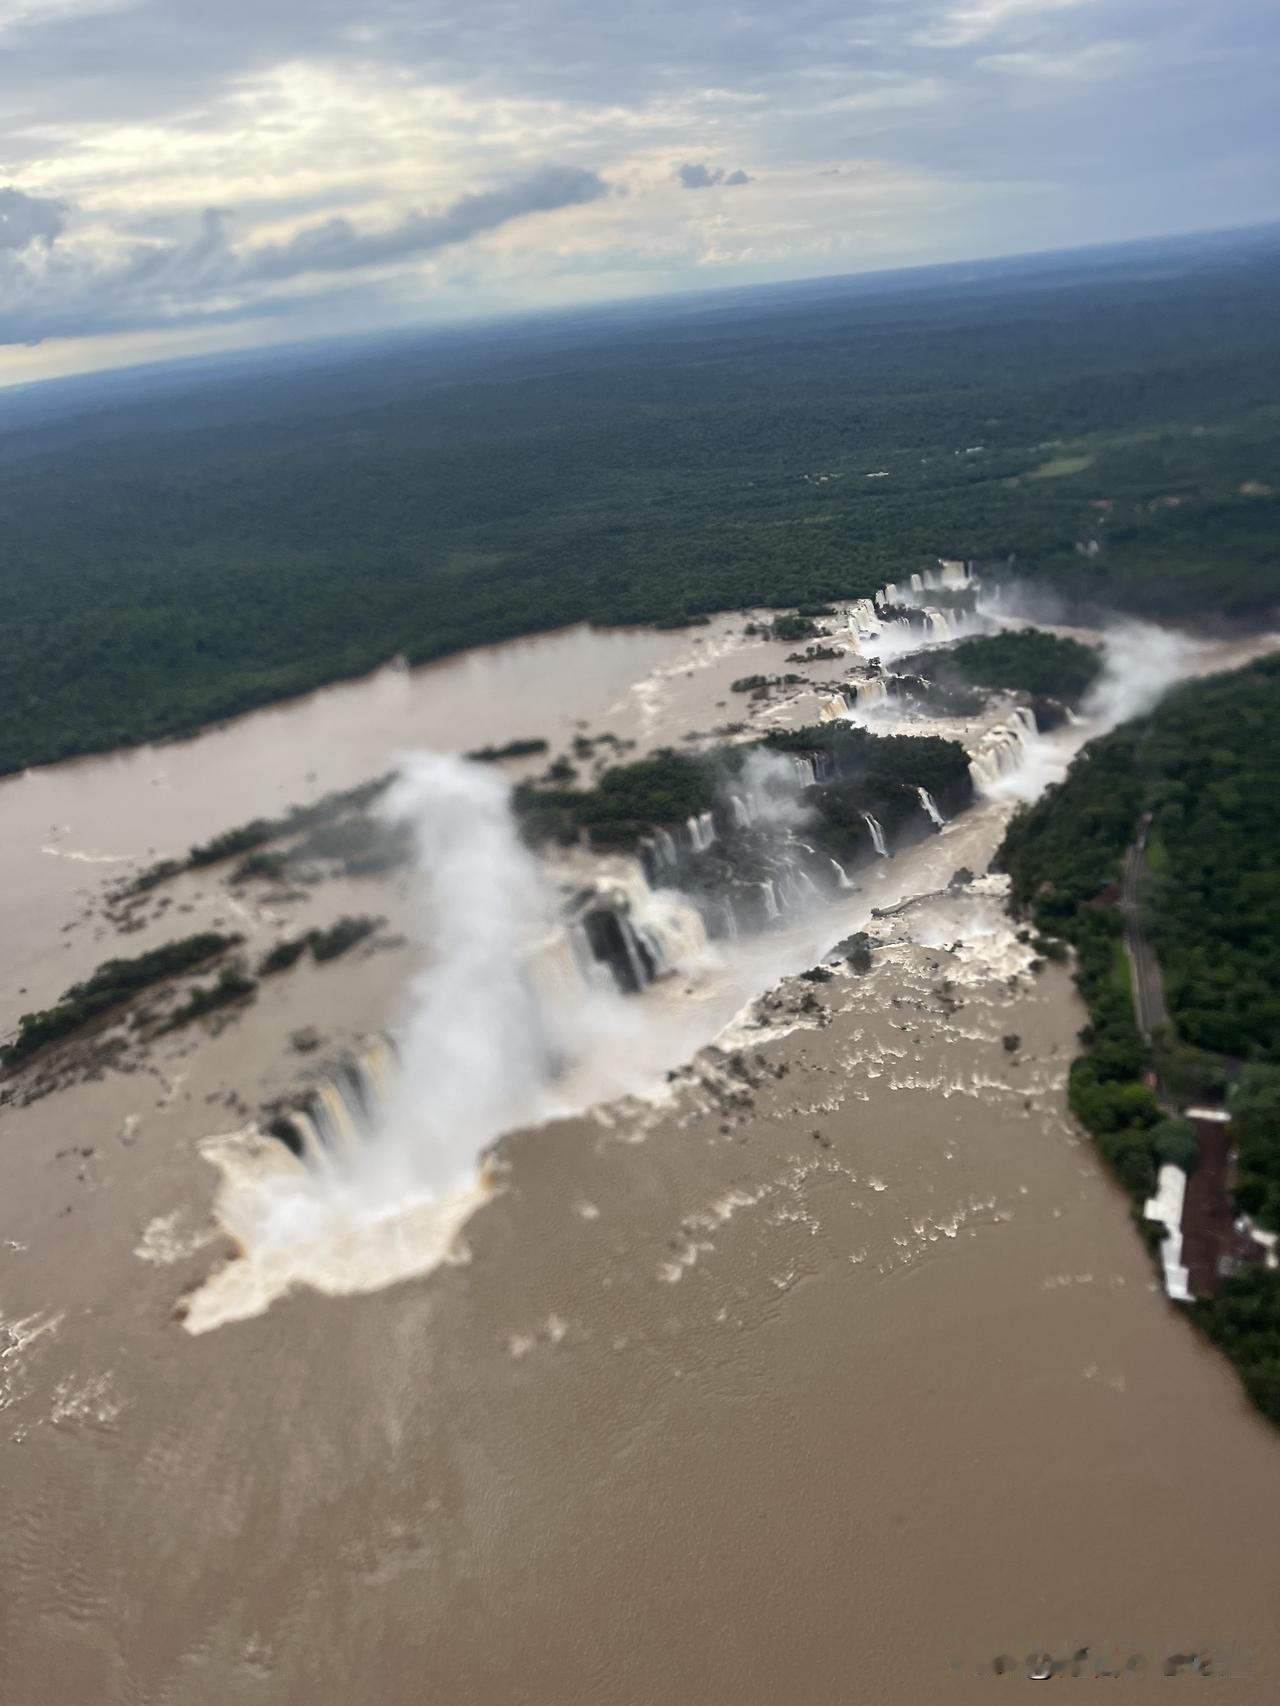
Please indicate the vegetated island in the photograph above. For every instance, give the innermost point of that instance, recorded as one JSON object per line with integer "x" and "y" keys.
{"x": 1025, "y": 660}
{"x": 115, "y": 985}
{"x": 1200, "y": 777}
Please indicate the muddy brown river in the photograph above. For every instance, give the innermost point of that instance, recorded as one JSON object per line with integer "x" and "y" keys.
{"x": 829, "y": 1370}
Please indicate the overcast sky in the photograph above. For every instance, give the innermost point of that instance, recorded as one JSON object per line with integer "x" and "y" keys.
{"x": 178, "y": 176}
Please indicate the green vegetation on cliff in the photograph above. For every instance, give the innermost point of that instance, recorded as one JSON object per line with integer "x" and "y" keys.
{"x": 627, "y": 802}
{"x": 1206, "y": 766}
{"x": 1025, "y": 660}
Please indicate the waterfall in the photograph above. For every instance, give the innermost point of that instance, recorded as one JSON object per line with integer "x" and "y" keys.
{"x": 927, "y": 801}
{"x": 668, "y": 853}
{"x": 1003, "y": 749}
{"x": 741, "y": 810}
{"x": 338, "y": 1121}
{"x": 937, "y": 626}
{"x": 330, "y": 1134}
{"x": 917, "y": 585}
{"x": 842, "y": 876}
{"x": 1024, "y": 719}
{"x": 771, "y": 909}
{"x": 862, "y": 616}
{"x": 877, "y": 835}
{"x": 832, "y": 707}
{"x": 954, "y": 573}
{"x": 641, "y": 967}
{"x": 702, "y": 832}
{"x": 298, "y": 1130}
{"x": 889, "y": 593}
{"x": 803, "y": 762}
{"x": 871, "y": 691}
{"x": 629, "y": 933}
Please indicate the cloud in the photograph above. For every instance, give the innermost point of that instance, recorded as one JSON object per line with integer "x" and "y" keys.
{"x": 26, "y": 219}
{"x": 697, "y": 175}
{"x": 65, "y": 292}
{"x": 343, "y": 140}
{"x": 976, "y": 20}
{"x": 338, "y": 246}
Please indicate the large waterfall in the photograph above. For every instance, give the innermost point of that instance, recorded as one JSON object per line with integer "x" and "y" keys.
{"x": 331, "y": 1131}
{"x": 1003, "y": 749}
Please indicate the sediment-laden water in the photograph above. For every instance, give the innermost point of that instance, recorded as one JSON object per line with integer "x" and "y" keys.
{"x": 830, "y": 1368}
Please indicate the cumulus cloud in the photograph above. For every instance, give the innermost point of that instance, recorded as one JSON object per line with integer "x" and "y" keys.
{"x": 26, "y": 219}
{"x": 697, "y": 175}
{"x": 157, "y": 281}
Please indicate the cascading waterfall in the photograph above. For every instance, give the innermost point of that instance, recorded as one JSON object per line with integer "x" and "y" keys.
{"x": 668, "y": 853}
{"x": 877, "y": 834}
{"x": 833, "y": 707}
{"x": 930, "y": 807}
{"x": 330, "y": 1133}
{"x": 299, "y": 1131}
{"x": 635, "y": 932}
{"x": 702, "y": 832}
{"x": 937, "y": 626}
{"x": 917, "y": 584}
{"x": 871, "y": 691}
{"x": 1003, "y": 749}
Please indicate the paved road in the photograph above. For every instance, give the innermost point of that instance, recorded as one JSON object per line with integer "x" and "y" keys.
{"x": 1148, "y": 987}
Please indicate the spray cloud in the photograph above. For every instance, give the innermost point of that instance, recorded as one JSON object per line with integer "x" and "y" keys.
{"x": 477, "y": 1051}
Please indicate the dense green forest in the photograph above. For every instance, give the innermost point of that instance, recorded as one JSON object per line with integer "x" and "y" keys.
{"x": 177, "y": 560}
{"x": 1026, "y": 660}
{"x": 1206, "y": 767}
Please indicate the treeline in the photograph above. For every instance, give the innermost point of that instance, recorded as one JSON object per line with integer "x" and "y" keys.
{"x": 627, "y": 803}
{"x": 916, "y": 761}
{"x": 163, "y": 573}
{"x": 513, "y": 749}
{"x": 1206, "y": 767}
{"x": 114, "y": 983}
{"x": 325, "y": 944}
{"x": 1026, "y": 660}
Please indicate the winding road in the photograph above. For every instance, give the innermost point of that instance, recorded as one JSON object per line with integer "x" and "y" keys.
{"x": 1148, "y": 986}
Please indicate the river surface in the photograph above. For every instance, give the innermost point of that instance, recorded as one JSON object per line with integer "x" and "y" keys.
{"x": 828, "y": 1372}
